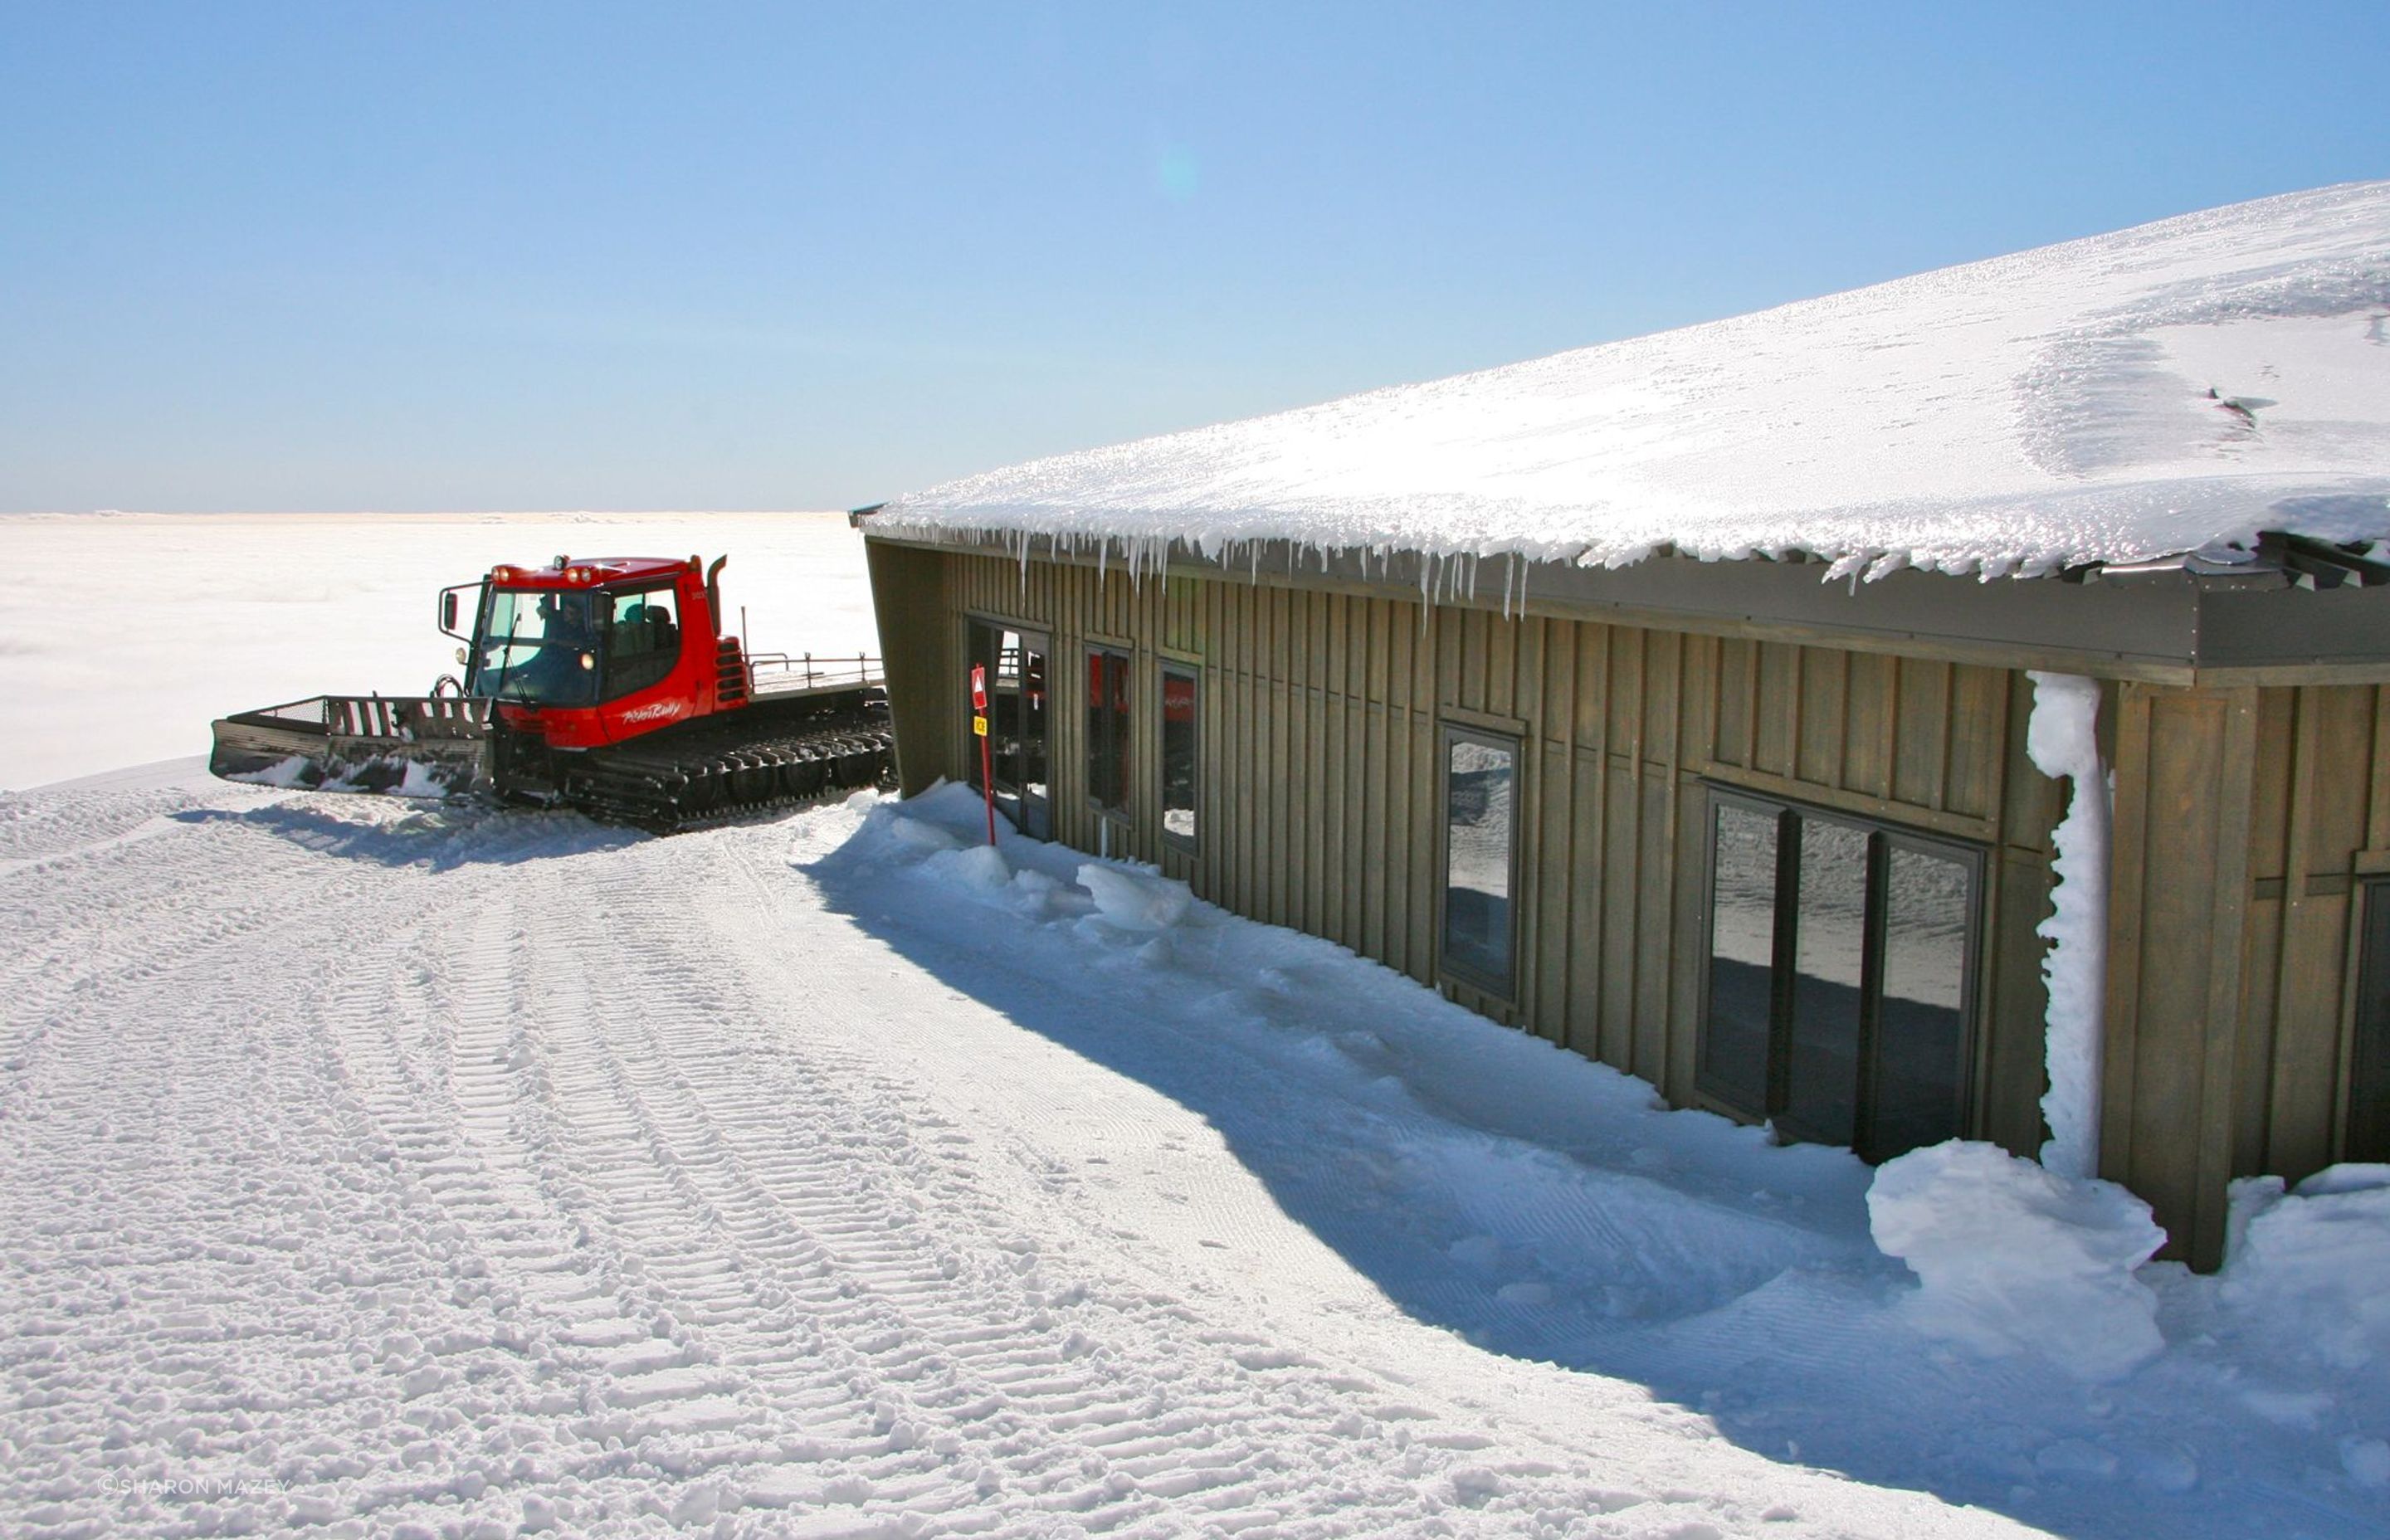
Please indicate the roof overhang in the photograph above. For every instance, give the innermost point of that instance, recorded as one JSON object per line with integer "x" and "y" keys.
{"x": 2184, "y": 621}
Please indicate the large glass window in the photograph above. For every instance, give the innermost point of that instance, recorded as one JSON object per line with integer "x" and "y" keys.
{"x": 1840, "y": 978}
{"x": 539, "y": 645}
{"x": 1918, "y": 1067}
{"x": 1179, "y": 754}
{"x": 2368, "y": 1060}
{"x": 642, "y": 642}
{"x": 1481, "y": 772}
{"x": 1742, "y": 954}
{"x": 1108, "y": 729}
{"x": 1015, "y": 665}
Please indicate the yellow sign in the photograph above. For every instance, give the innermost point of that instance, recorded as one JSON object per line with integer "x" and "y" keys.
{"x": 979, "y": 726}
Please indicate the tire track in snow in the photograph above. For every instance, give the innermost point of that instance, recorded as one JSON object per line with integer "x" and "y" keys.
{"x": 706, "y": 1191}
{"x": 472, "y": 1174}
{"x": 1004, "y": 1343}
{"x": 227, "y": 1213}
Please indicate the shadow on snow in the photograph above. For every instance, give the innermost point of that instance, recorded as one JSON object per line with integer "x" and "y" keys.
{"x": 1447, "y": 1208}
{"x": 441, "y": 835}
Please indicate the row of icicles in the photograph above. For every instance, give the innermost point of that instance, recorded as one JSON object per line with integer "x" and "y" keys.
{"x": 1448, "y": 576}
{"x": 1444, "y": 576}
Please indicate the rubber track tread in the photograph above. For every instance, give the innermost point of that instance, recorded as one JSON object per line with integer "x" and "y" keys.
{"x": 673, "y": 786}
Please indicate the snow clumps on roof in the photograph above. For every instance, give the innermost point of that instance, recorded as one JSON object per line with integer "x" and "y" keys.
{"x": 2171, "y": 386}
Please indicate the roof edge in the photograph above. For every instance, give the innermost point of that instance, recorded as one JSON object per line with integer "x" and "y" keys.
{"x": 2181, "y": 621}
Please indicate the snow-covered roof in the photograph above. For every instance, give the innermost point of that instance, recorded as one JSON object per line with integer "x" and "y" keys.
{"x": 2173, "y": 387}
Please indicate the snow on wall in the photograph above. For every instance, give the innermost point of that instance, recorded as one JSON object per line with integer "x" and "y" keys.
{"x": 2062, "y": 739}
{"x": 2178, "y": 385}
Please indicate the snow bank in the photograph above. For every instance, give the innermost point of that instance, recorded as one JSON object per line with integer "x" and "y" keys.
{"x": 2016, "y": 1259}
{"x": 2062, "y": 740}
{"x": 2161, "y": 389}
{"x": 1135, "y": 899}
{"x": 2308, "y": 1264}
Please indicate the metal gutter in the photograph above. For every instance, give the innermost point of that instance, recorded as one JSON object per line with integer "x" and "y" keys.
{"x": 2183, "y": 620}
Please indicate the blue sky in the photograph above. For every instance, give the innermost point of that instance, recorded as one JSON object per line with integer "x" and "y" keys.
{"x": 332, "y": 256}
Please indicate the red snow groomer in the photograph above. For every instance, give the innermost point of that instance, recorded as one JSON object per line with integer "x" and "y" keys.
{"x": 605, "y": 684}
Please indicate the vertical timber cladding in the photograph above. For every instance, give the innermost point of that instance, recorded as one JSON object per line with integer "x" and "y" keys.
{"x": 2319, "y": 824}
{"x": 1319, "y": 802}
{"x": 2247, "y": 820}
{"x": 917, "y": 661}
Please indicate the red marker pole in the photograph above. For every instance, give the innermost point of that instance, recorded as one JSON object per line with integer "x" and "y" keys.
{"x": 979, "y": 729}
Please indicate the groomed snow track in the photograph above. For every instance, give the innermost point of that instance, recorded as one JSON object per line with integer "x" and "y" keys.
{"x": 375, "y": 1170}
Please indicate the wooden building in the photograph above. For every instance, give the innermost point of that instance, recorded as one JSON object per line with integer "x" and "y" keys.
{"x": 1772, "y": 843}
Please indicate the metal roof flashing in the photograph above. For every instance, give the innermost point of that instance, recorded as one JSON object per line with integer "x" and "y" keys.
{"x": 2292, "y": 610}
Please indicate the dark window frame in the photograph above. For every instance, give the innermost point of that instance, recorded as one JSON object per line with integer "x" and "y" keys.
{"x": 2364, "y": 1100}
{"x": 1124, "y": 734}
{"x": 666, "y": 653}
{"x": 1031, "y": 812}
{"x": 1503, "y": 986}
{"x": 1188, "y": 844}
{"x": 1884, "y": 836}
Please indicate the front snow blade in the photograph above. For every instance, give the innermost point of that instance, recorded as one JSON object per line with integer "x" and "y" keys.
{"x": 405, "y": 746}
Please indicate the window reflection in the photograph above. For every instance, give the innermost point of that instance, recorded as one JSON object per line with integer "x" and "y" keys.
{"x": 1108, "y": 729}
{"x": 1847, "y": 1019}
{"x": 1014, "y": 665}
{"x": 1480, "y": 777}
{"x": 1920, "y": 1021}
{"x": 1821, "y": 1088}
{"x": 1742, "y": 950}
{"x": 1179, "y": 754}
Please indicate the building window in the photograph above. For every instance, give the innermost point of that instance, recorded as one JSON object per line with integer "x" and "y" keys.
{"x": 1179, "y": 754}
{"x": 1840, "y": 996}
{"x": 1481, "y": 845}
{"x": 1107, "y": 730}
{"x": 1015, "y": 665}
{"x": 2367, "y": 1136}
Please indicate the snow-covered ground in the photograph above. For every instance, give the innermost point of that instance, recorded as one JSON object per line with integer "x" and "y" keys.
{"x": 369, "y": 1168}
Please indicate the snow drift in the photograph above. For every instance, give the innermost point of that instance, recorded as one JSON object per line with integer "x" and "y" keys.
{"x": 2161, "y": 389}
{"x": 1136, "y": 899}
{"x": 2014, "y": 1258}
{"x": 2311, "y": 1261}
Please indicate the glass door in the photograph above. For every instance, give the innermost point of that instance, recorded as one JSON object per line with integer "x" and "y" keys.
{"x": 1016, "y": 665}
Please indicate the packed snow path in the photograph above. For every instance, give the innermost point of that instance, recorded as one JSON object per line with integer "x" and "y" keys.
{"x": 377, "y": 1169}
{"x": 369, "y": 1169}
